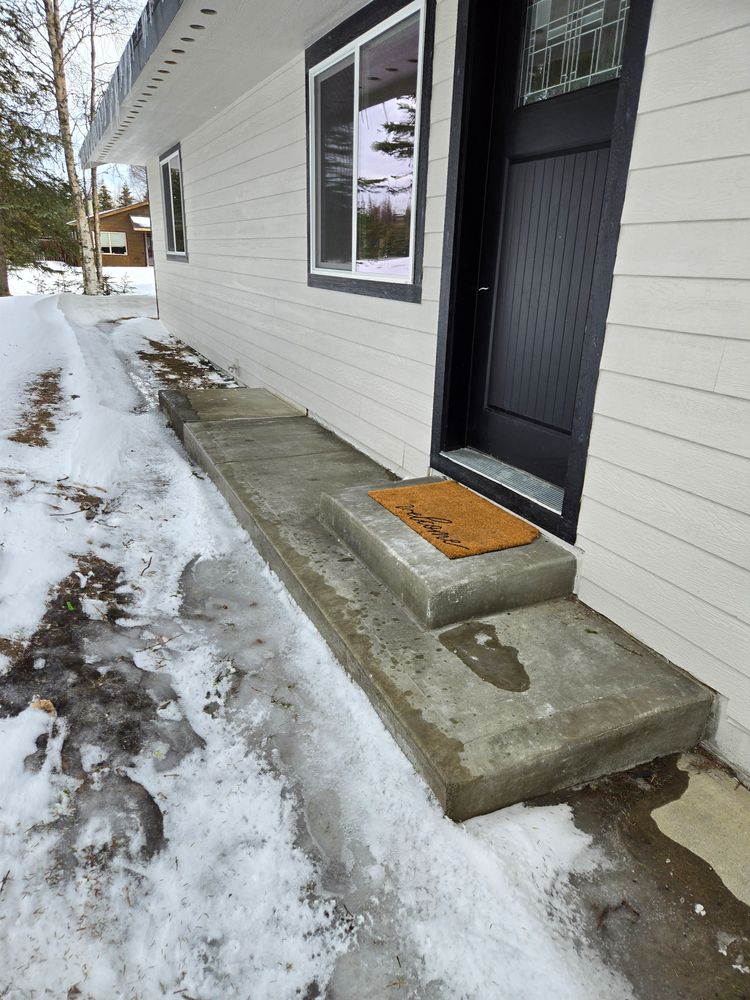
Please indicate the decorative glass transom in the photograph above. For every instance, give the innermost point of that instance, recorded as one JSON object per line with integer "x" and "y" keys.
{"x": 569, "y": 45}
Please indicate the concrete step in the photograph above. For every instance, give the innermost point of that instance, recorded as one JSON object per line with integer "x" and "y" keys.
{"x": 499, "y": 709}
{"x": 436, "y": 589}
{"x": 223, "y": 403}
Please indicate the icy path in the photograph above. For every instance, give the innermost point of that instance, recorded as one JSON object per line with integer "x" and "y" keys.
{"x": 216, "y": 811}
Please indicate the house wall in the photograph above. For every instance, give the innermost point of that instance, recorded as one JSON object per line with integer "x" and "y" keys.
{"x": 361, "y": 365}
{"x": 665, "y": 520}
{"x": 136, "y": 255}
{"x": 663, "y": 535}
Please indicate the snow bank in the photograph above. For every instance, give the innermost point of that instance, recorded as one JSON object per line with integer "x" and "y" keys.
{"x": 53, "y": 277}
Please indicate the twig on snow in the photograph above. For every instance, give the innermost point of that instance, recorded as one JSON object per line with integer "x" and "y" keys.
{"x": 158, "y": 645}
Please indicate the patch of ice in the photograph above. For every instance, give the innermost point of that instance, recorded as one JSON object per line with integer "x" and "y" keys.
{"x": 170, "y": 710}
{"x": 93, "y": 608}
{"x": 25, "y": 796}
{"x": 91, "y": 755}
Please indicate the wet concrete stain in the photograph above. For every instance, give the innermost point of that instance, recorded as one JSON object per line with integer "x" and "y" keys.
{"x": 656, "y": 912}
{"x": 476, "y": 644}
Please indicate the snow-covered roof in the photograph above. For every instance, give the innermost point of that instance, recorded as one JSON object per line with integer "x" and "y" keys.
{"x": 141, "y": 221}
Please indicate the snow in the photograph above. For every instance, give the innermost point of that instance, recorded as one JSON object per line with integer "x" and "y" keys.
{"x": 301, "y": 855}
{"x": 55, "y": 276}
{"x": 387, "y": 265}
{"x": 25, "y": 798}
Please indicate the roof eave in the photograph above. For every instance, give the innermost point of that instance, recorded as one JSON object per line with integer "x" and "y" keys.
{"x": 152, "y": 25}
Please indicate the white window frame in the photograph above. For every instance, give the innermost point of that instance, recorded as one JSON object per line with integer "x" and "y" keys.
{"x": 353, "y": 48}
{"x": 109, "y": 233}
{"x": 173, "y": 154}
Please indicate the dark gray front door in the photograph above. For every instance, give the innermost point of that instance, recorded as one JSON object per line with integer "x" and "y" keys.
{"x": 556, "y": 80}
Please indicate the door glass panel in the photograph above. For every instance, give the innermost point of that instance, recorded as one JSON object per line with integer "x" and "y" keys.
{"x": 569, "y": 45}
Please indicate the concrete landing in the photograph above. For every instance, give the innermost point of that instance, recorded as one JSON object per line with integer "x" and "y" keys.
{"x": 438, "y": 590}
{"x": 492, "y": 711}
{"x": 221, "y": 403}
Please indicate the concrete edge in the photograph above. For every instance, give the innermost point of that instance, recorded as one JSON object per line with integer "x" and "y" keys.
{"x": 582, "y": 764}
{"x": 270, "y": 547}
{"x": 336, "y": 519}
{"x": 459, "y": 794}
{"x": 178, "y": 410}
{"x": 553, "y": 577}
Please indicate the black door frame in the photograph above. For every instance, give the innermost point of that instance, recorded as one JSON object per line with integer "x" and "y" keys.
{"x": 472, "y": 91}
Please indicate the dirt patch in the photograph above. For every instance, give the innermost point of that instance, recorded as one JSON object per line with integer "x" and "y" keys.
{"x": 83, "y": 499}
{"x": 177, "y": 363}
{"x": 105, "y": 701}
{"x": 42, "y": 400}
{"x": 67, "y": 497}
{"x": 10, "y": 648}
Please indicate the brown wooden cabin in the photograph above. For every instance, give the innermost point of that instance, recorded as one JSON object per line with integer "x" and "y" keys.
{"x": 126, "y": 236}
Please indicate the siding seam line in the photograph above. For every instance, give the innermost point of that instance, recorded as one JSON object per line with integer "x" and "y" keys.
{"x": 701, "y": 38}
{"x": 662, "y": 482}
{"x": 670, "y": 583}
{"x": 696, "y": 100}
{"x": 663, "y": 531}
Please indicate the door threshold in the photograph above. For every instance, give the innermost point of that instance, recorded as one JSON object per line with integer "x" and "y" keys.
{"x": 541, "y": 492}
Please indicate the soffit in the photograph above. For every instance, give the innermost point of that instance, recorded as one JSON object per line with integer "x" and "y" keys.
{"x": 147, "y": 110}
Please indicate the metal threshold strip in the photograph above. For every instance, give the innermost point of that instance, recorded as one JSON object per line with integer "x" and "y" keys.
{"x": 545, "y": 494}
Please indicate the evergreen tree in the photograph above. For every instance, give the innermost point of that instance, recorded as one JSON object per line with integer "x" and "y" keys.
{"x": 105, "y": 198}
{"x": 126, "y": 196}
{"x": 399, "y": 141}
{"x": 34, "y": 203}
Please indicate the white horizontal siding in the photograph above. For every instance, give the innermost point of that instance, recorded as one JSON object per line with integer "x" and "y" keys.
{"x": 665, "y": 519}
{"x": 363, "y": 366}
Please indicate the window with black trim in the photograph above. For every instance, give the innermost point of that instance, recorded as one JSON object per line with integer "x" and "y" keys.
{"x": 367, "y": 128}
{"x": 174, "y": 204}
{"x": 116, "y": 243}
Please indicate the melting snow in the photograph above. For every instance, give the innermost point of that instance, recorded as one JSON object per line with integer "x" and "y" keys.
{"x": 299, "y": 855}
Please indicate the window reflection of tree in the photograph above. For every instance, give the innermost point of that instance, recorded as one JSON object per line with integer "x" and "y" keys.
{"x": 336, "y": 243}
{"x": 337, "y": 167}
{"x": 383, "y": 230}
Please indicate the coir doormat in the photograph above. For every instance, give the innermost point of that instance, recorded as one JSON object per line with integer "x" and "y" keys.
{"x": 455, "y": 520}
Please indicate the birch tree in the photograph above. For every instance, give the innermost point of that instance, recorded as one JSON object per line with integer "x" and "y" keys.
{"x": 66, "y": 54}
{"x": 55, "y": 40}
{"x": 95, "y": 230}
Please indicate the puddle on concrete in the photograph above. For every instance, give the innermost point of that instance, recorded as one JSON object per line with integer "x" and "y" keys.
{"x": 476, "y": 644}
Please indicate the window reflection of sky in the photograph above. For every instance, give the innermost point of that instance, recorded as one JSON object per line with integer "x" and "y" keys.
{"x": 375, "y": 164}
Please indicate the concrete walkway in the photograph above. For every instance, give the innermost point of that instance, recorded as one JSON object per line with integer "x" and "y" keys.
{"x": 490, "y": 711}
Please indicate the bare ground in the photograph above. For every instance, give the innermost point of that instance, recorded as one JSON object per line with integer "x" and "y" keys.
{"x": 42, "y": 402}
